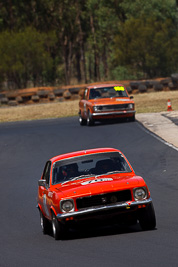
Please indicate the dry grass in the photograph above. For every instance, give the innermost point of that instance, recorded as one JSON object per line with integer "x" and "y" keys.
{"x": 155, "y": 101}
{"x": 39, "y": 111}
{"x": 145, "y": 103}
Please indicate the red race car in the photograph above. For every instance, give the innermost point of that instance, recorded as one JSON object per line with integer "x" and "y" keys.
{"x": 92, "y": 185}
{"x": 105, "y": 101}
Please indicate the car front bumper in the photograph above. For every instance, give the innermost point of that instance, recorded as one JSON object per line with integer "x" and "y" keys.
{"x": 116, "y": 208}
{"x": 124, "y": 113}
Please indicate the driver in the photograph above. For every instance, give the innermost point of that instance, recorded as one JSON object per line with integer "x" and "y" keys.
{"x": 72, "y": 170}
{"x": 104, "y": 166}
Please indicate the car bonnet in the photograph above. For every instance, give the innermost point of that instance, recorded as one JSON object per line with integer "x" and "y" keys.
{"x": 98, "y": 185}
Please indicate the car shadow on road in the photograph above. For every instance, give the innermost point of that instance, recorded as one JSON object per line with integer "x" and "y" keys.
{"x": 109, "y": 122}
{"x": 110, "y": 230}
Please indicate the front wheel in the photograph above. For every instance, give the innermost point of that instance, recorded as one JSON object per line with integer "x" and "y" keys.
{"x": 58, "y": 228}
{"x": 81, "y": 120}
{"x": 90, "y": 120}
{"x": 147, "y": 218}
{"x": 45, "y": 224}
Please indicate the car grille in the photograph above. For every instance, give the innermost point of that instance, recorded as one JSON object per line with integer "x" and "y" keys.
{"x": 103, "y": 199}
{"x": 113, "y": 107}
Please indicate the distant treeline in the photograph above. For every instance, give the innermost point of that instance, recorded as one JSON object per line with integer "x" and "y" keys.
{"x": 52, "y": 42}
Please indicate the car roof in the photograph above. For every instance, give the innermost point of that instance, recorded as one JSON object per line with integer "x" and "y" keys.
{"x": 104, "y": 85}
{"x": 82, "y": 152}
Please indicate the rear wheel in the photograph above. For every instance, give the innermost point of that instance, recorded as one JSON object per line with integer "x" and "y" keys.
{"x": 147, "y": 218}
{"x": 90, "y": 120}
{"x": 57, "y": 228}
{"x": 45, "y": 224}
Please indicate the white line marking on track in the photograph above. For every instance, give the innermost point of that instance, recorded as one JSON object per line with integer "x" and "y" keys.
{"x": 156, "y": 136}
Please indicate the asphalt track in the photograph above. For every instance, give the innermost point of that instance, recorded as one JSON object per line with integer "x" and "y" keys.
{"x": 24, "y": 149}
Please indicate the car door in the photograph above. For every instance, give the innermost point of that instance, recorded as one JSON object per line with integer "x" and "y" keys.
{"x": 46, "y": 192}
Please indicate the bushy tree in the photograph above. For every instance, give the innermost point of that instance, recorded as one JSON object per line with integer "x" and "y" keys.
{"x": 159, "y": 9}
{"x": 25, "y": 56}
{"x": 86, "y": 40}
{"x": 142, "y": 45}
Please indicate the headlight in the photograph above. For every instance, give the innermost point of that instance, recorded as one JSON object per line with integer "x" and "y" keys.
{"x": 95, "y": 108}
{"x": 67, "y": 205}
{"x": 140, "y": 193}
{"x": 131, "y": 106}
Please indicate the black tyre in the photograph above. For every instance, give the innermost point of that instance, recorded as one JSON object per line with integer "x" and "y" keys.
{"x": 74, "y": 90}
{"x": 45, "y": 224}
{"x": 81, "y": 120}
{"x": 147, "y": 218}
{"x": 129, "y": 89}
{"x": 174, "y": 78}
{"x": 58, "y": 92}
{"x": 57, "y": 228}
{"x": 134, "y": 85}
{"x": 142, "y": 88}
{"x": 90, "y": 120}
{"x": 158, "y": 87}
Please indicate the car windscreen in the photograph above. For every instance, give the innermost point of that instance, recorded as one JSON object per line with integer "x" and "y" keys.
{"x": 108, "y": 92}
{"x": 89, "y": 165}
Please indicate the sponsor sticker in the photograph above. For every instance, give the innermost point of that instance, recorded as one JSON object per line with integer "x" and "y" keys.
{"x": 97, "y": 181}
{"x": 119, "y": 88}
{"x": 119, "y": 99}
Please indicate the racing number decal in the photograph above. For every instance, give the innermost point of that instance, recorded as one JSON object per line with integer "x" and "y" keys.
{"x": 97, "y": 181}
{"x": 119, "y": 88}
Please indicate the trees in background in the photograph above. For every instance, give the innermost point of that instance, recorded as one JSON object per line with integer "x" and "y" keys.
{"x": 146, "y": 38}
{"x": 145, "y": 46}
{"x": 25, "y": 56}
{"x": 79, "y": 41}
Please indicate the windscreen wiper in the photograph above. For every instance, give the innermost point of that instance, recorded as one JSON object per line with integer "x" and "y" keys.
{"x": 79, "y": 177}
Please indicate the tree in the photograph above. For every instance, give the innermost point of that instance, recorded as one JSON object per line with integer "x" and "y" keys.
{"x": 142, "y": 45}
{"x": 24, "y": 57}
{"x": 159, "y": 9}
{"x": 103, "y": 16}
{"x": 88, "y": 40}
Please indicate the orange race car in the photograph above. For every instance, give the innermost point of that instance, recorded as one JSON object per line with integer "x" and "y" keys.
{"x": 96, "y": 185}
{"x": 105, "y": 101}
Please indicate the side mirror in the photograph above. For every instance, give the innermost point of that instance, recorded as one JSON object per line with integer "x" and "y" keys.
{"x": 42, "y": 183}
{"x": 131, "y": 97}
